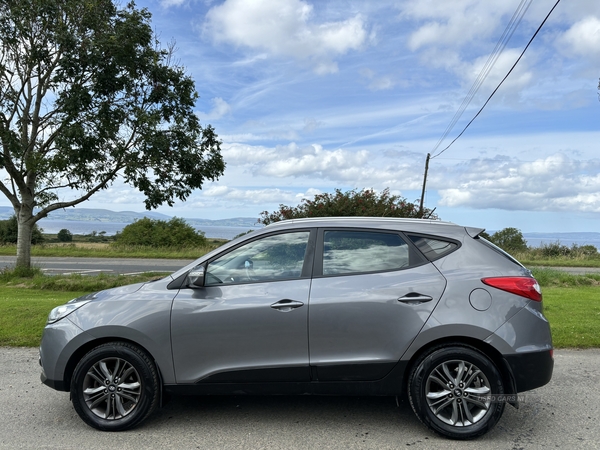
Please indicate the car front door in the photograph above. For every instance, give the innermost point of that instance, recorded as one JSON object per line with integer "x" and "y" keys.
{"x": 249, "y": 321}
{"x": 371, "y": 295}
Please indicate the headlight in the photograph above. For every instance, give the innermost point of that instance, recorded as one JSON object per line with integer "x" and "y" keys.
{"x": 64, "y": 310}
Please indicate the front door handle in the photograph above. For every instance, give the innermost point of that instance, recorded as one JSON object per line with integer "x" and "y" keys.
{"x": 414, "y": 298}
{"x": 286, "y": 305}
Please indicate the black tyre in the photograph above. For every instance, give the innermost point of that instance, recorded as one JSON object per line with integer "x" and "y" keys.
{"x": 115, "y": 387}
{"x": 457, "y": 392}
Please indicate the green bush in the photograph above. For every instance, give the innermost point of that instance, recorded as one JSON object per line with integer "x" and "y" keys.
{"x": 9, "y": 232}
{"x": 65, "y": 235}
{"x": 554, "y": 250}
{"x": 175, "y": 233}
{"x": 510, "y": 240}
{"x": 351, "y": 203}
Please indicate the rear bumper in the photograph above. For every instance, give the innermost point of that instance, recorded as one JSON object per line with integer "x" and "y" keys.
{"x": 531, "y": 370}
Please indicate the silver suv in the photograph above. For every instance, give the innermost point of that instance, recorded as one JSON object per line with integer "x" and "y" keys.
{"x": 364, "y": 306}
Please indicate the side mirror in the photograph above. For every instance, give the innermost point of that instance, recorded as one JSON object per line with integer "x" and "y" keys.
{"x": 195, "y": 278}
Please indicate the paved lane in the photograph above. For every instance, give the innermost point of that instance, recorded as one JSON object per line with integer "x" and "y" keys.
{"x": 563, "y": 414}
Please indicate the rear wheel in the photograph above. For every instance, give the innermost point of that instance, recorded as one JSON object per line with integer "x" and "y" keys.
{"x": 454, "y": 390}
{"x": 115, "y": 387}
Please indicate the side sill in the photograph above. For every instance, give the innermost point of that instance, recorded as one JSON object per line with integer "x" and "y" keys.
{"x": 392, "y": 384}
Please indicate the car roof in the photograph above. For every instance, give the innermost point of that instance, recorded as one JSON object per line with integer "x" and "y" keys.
{"x": 359, "y": 219}
{"x": 396, "y": 223}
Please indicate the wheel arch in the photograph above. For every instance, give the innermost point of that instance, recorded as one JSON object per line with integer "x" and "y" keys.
{"x": 508, "y": 379}
{"x": 88, "y": 346}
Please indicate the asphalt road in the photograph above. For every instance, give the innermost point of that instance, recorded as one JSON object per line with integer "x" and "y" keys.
{"x": 94, "y": 266}
{"x": 564, "y": 414}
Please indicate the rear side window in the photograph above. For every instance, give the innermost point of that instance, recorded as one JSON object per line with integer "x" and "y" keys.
{"x": 433, "y": 248}
{"x": 348, "y": 252}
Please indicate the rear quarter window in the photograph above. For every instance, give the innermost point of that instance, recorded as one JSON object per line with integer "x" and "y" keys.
{"x": 433, "y": 247}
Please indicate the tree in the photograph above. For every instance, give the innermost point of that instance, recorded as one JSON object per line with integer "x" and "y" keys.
{"x": 510, "y": 240}
{"x": 87, "y": 95}
{"x": 9, "y": 232}
{"x": 350, "y": 203}
{"x": 64, "y": 235}
{"x": 159, "y": 233}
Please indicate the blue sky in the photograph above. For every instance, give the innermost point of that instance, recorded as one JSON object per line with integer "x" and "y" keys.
{"x": 308, "y": 96}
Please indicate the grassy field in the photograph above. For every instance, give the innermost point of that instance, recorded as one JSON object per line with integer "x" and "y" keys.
{"x": 572, "y": 305}
{"x": 104, "y": 247}
{"x": 574, "y": 316}
{"x": 107, "y": 250}
{"x": 23, "y": 313}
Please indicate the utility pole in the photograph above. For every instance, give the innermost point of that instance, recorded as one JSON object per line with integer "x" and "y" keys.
{"x": 424, "y": 184}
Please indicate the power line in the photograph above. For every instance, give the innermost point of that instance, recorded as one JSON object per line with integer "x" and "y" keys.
{"x": 503, "y": 79}
{"x": 491, "y": 61}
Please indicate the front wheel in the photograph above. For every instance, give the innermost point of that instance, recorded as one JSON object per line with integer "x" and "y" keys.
{"x": 456, "y": 391}
{"x": 115, "y": 387}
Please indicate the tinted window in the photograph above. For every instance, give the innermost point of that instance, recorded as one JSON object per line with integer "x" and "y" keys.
{"x": 271, "y": 258}
{"x": 433, "y": 248}
{"x": 346, "y": 252}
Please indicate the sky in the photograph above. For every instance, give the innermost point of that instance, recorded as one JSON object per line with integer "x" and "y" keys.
{"x": 308, "y": 96}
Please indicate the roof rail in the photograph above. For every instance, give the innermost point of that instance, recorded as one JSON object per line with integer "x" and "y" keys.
{"x": 358, "y": 219}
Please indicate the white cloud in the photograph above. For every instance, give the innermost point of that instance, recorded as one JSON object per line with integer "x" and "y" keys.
{"x": 554, "y": 183}
{"x": 377, "y": 83}
{"x": 170, "y": 3}
{"x": 354, "y": 168}
{"x": 582, "y": 39}
{"x": 285, "y": 29}
{"x": 259, "y": 196}
{"x": 312, "y": 160}
{"x": 453, "y": 24}
{"x": 220, "y": 108}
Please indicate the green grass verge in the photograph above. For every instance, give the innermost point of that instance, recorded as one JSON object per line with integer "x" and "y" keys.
{"x": 75, "y": 282}
{"x": 556, "y": 278}
{"x": 102, "y": 250}
{"x": 571, "y": 302}
{"x": 559, "y": 262}
{"x": 574, "y": 316}
{"x": 104, "y": 247}
{"x": 23, "y": 314}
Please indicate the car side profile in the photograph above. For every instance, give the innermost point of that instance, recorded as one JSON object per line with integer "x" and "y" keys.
{"x": 348, "y": 306}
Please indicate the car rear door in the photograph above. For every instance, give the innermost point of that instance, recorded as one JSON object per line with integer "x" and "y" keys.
{"x": 371, "y": 294}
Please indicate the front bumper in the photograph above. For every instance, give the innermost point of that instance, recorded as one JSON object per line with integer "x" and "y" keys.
{"x": 59, "y": 341}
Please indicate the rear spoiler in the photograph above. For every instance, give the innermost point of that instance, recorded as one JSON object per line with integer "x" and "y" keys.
{"x": 474, "y": 232}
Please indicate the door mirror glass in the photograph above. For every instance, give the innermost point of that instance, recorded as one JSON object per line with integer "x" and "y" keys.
{"x": 196, "y": 277}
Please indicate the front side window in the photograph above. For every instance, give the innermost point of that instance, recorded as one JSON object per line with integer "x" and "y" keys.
{"x": 347, "y": 252}
{"x": 277, "y": 257}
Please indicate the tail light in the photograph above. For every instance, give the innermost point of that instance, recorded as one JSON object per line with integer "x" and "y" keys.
{"x": 524, "y": 286}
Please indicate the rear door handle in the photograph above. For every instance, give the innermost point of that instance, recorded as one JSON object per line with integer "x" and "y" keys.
{"x": 414, "y": 298}
{"x": 286, "y": 305}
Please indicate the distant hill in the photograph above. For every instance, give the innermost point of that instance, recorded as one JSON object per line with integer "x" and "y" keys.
{"x": 108, "y": 216}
